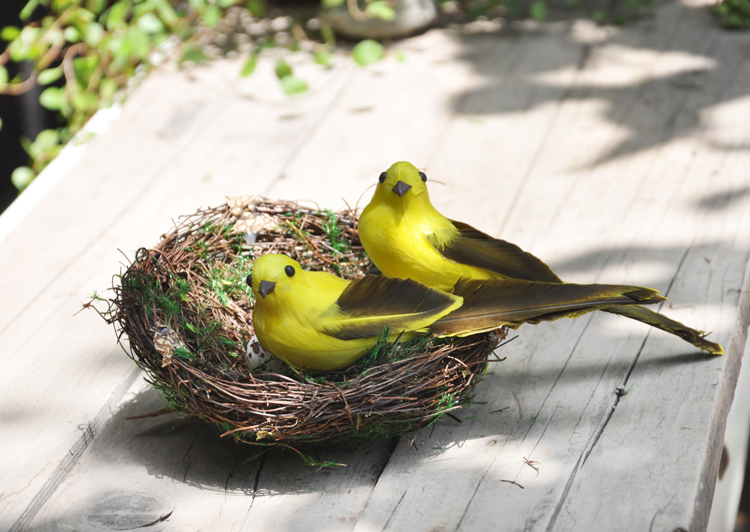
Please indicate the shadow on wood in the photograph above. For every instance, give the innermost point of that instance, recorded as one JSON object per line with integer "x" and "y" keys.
{"x": 584, "y": 62}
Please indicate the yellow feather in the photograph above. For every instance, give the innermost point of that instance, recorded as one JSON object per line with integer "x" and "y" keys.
{"x": 301, "y": 319}
{"x": 402, "y": 235}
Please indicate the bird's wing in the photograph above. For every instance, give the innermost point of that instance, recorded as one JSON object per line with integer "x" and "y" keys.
{"x": 475, "y": 248}
{"x": 370, "y": 305}
{"x": 489, "y": 304}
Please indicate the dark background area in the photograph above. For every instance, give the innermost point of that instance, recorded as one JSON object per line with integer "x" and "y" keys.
{"x": 22, "y": 115}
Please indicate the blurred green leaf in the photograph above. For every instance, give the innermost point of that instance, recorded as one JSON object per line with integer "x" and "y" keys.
{"x": 54, "y": 36}
{"x": 28, "y": 9}
{"x": 293, "y": 86}
{"x": 323, "y": 56}
{"x": 52, "y": 98}
{"x": 83, "y": 68}
{"x": 267, "y": 42}
{"x": 538, "y": 9}
{"x": 117, "y": 14}
{"x": 367, "y": 52}
{"x": 96, "y": 6}
{"x": 25, "y": 144}
{"x": 84, "y": 101}
{"x": 599, "y": 15}
{"x": 400, "y": 55}
{"x": 283, "y": 69}
{"x": 45, "y": 140}
{"x": 26, "y": 46}
{"x": 224, "y": 4}
{"x": 733, "y": 14}
{"x": 72, "y": 34}
{"x": 249, "y": 66}
{"x": 211, "y": 15}
{"x": 256, "y": 8}
{"x": 327, "y": 34}
{"x": 47, "y": 22}
{"x": 380, "y": 9}
{"x": 331, "y": 4}
{"x": 150, "y": 23}
{"x": 107, "y": 89}
{"x": 22, "y": 177}
{"x": 50, "y": 75}
{"x": 294, "y": 45}
{"x": 81, "y": 17}
{"x": 3, "y": 77}
{"x": 166, "y": 12}
{"x": 194, "y": 54}
{"x": 8, "y": 33}
{"x": 138, "y": 43}
{"x": 117, "y": 46}
{"x": 93, "y": 33}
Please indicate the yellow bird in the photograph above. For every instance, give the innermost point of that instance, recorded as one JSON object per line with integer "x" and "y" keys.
{"x": 315, "y": 320}
{"x": 406, "y": 237}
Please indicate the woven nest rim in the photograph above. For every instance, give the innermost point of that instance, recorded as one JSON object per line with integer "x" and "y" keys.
{"x": 167, "y": 299}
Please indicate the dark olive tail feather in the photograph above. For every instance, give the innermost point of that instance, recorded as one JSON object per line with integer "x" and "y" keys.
{"x": 489, "y": 304}
{"x": 693, "y": 336}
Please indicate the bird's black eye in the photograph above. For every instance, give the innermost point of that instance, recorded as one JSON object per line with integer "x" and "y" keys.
{"x": 382, "y": 178}
{"x": 289, "y": 270}
{"x": 249, "y": 280}
{"x": 423, "y": 176}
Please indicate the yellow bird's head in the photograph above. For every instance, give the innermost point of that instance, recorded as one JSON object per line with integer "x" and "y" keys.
{"x": 272, "y": 273}
{"x": 401, "y": 184}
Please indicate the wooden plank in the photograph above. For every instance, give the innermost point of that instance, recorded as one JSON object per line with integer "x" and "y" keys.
{"x": 714, "y": 243}
{"x": 389, "y": 112}
{"x": 707, "y": 270}
{"x": 139, "y": 471}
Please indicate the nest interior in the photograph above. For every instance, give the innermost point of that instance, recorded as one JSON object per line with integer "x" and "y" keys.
{"x": 186, "y": 311}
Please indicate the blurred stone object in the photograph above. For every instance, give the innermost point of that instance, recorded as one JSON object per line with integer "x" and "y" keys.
{"x": 351, "y": 20}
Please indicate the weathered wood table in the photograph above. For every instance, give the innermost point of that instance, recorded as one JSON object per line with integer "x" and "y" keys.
{"x": 618, "y": 155}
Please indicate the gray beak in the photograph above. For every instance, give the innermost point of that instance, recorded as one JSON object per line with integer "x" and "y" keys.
{"x": 400, "y": 188}
{"x": 266, "y": 287}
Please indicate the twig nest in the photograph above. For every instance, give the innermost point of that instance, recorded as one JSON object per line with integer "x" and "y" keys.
{"x": 187, "y": 313}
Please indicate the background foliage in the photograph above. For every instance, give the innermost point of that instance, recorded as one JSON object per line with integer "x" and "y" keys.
{"x": 85, "y": 54}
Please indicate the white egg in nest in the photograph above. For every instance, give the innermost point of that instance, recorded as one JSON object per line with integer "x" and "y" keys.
{"x": 258, "y": 359}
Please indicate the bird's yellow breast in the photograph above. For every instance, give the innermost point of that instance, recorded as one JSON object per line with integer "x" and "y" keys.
{"x": 405, "y": 245}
